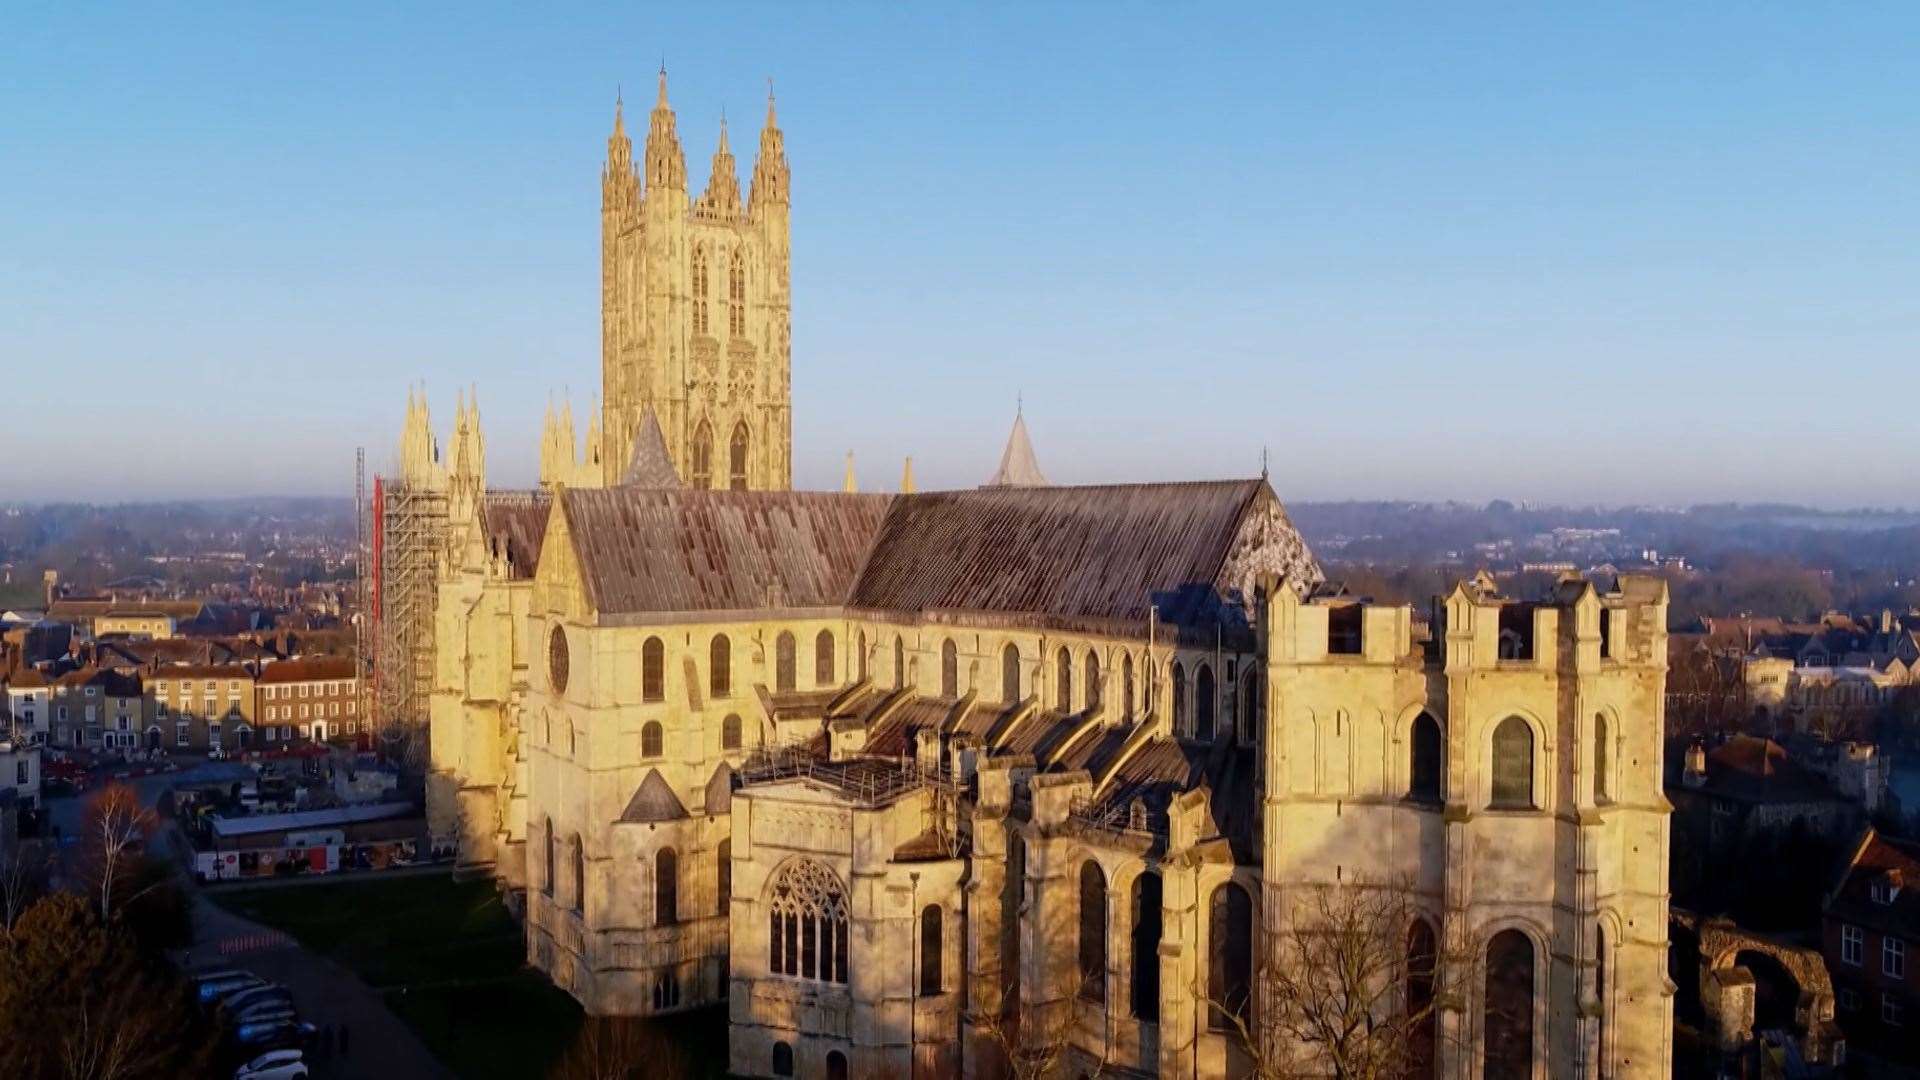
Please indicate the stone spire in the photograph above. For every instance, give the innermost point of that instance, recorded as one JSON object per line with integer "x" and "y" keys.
{"x": 467, "y": 460}
{"x": 850, "y": 485}
{"x": 651, "y": 465}
{"x": 721, "y": 200}
{"x": 770, "y": 168}
{"x": 419, "y": 453}
{"x": 666, "y": 166}
{"x": 1018, "y": 466}
{"x": 619, "y": 186}
{"x": 906, "y": 477}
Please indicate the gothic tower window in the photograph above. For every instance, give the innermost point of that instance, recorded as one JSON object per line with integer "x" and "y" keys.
{"x": 1205, "y": 701}
{"x": 1092, "y": 691}
{"x": 1422, "y": 965}
{"x": 730, "y": 732}
{"x": 1229, "y": 956}
{"x": 1602, "y": 788}
{"x": 807, "y": 923}
{"x": 703, "y": 456}
{"x": 653, "y": 670}
{"x": 1064, "y": 675}
{"x": 737, "y": 294}
{"x": 650, "y": 740}
{"x": 1010, "y": 673}
{"x": 1513, "y": 765}
{"x": 720, "y": 667}
{"x": 783, "y": 662}
{"x": 1093, "y": 932}
{"x": 1508, "y": 1024}
{"x": 666, "y": 887}
{"x": 949, "y": 669}
{"x": 823, "y": 659}
{"x": 930, "y": 950}
{"x": 1146, "y": 947}
{"x": 699, "y": 290}
{"x": 1423, "y": 773}
{"x": 737, "y": 458}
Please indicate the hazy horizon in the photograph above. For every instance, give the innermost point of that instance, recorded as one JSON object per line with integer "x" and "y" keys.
{"x": 1622, "y": 257}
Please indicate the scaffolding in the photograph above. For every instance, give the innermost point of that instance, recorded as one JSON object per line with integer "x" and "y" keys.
{"x": 410, "y": 529}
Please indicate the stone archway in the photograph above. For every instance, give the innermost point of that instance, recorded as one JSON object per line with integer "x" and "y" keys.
{"x": 1750, "y": 980}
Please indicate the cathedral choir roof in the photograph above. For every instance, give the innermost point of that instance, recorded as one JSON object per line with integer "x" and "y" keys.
{"x": 516, "y": 523}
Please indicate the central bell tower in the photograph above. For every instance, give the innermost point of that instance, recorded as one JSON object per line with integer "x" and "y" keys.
{"x": 694, "y": 308}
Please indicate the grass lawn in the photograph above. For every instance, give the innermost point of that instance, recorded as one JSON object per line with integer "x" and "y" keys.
{"x": 447, "y": 956}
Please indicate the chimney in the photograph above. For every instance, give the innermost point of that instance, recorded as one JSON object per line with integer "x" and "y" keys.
{"x": 1696, "y": 770}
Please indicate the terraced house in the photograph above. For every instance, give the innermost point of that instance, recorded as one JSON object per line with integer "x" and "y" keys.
{"x": 880, "y": 770}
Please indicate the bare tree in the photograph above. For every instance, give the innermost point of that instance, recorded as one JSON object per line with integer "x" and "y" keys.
{"x": 1706, "y": 692}
{"x": 1349, "y": 992}
{"x": 114, "y": 832}
{"x": 1036, "y": 1044}
{"x": 622, "y": 1048}
{"x": 24, "y": 874}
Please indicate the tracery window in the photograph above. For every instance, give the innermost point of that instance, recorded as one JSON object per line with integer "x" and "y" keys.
{"x": 720, "y": 667}
{"x": 737, "y": 294}
{"x": 653, "y": 670}
{"x": 783, "y": 662}
{"x": 737, "y": 458}
{"x": 823, "y": 659}
{"x": 1093, "y": 932}
{"x": 1229, "y": 956}
{"x": 699, "y": 290}
{"x": 703, "y": 456}
{"x": 949, "y": 669}
{"x": 1010, "y": 673}
{"x": 1064, "y": 675}
{"x": 807, "y": 923}
{"x": 1205, "y": 702}
{"x": 1513, "y": 765}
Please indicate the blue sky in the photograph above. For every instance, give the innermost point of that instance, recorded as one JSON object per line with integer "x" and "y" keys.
{"x": 1615, "y": 253}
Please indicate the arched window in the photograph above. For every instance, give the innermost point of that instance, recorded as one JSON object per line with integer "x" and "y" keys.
{"x": 1063, "y": 664}
{"x": 1508, "y": 1025}
{"x": 949, "y": 669}
{"x": 737, "y": 458}
{"x": 782, "y": 1059}
{"x": 1179, "y": 699}
{"x": 1126, "y": 686}
{"x": 1146, "y": 947}
{"x": 552, "y": 867}
{"x": 702, "y": 456}
{"x": 1422, "y": 966}
{"x": 579, "y": 855}
{"x": 1602, "y": 784}
{"x": 1513, "y": 765}
{"x": 1093, "y": 932}
{"x": 723, "y": 876}
{"x": 1423, "y": 772}
{"x": 666, "y": 887}
{"x": 1229, "y": 956}
{"x": 1010, "y": 673}
{"x": 823, "y": 659}
{"x": 653, "y": 670}
{"x": 1092, "y": 691}
{"x": 899, "y": 662}
{"x": 783, "y": 662}
{"x": 807, "y": 923}
{"x": 730, "y": 732}
{"x": 1205, "y": 700}
{"x": 737, "y": 294}
{"x": 651, "y": 744}
{"x": 720, "y": 667}
{"x": 930, "y": 950}
{"x": 836, "y": 1065}
{"x": 699, "y": 289}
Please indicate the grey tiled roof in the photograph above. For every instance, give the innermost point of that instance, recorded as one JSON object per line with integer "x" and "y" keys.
{"x": 653, "y": 800}
{"x": 516, "y": 523}
{"x": 651, "y": 465}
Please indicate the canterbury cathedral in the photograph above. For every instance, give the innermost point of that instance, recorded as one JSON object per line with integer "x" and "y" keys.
{"x": 887, "y": 775}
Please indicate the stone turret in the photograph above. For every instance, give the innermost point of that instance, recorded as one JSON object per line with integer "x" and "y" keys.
{"x": 419, "y": 452}
{"x": 666, "y": 165}
{"x": 770, "y": 178}
{"x": 721, "y": 200}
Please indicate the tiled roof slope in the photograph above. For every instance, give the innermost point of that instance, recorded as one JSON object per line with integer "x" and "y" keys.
{"x": 1094, "y": 553}
{"x": 516, "y": 523}
{"x": 666, "y": 550}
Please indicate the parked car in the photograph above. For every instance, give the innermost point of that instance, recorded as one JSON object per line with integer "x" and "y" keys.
{"x": 273, "y": 1065}
{"x": 274, "y": 1035}
{"x": 245, "y": 999}
{"x": 213, "y": 991}
{"x": 264, "y": 1011}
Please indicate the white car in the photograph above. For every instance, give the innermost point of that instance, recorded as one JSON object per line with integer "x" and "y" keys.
{"x": 273, "y": 1065}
